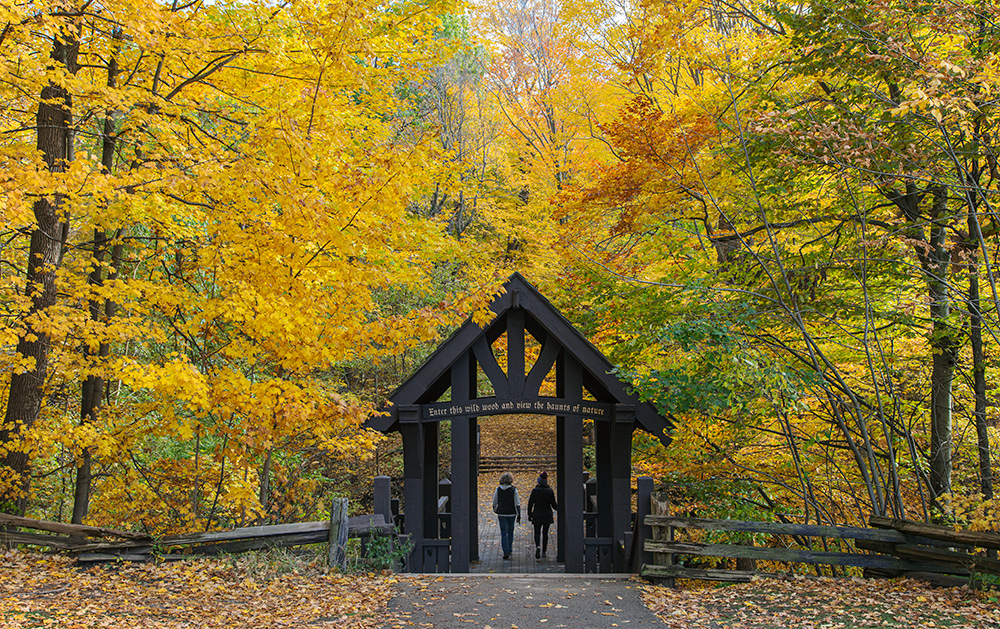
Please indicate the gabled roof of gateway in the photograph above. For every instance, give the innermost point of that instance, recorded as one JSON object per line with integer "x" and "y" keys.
{"x": 559, "y": 338}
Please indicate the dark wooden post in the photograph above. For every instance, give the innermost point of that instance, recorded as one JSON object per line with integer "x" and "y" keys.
{"x": 383, "y": 497}
{"x": 461, "y": 484}
{"x": 413, "y": 482}
{"x": 644, "y": 484}
{"x": 561, "y": 481}
{"x": 474, "y": 488}
{"x": 573, "y": 507}
{"x": 604, "y": 447}
{"x": 461, "y": 468}
{"x": 621, "y": 484}
{"x": 515, "y": 352}
{"x": 431, "y": 448}
{"x": 573, "y": 494}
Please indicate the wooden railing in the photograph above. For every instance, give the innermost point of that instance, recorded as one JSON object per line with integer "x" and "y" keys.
{"x": 899, "y": 547}
{"x": 92, "y": 546}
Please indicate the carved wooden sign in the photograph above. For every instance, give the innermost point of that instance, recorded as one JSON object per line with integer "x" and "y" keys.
{"x": 540, "y": 406}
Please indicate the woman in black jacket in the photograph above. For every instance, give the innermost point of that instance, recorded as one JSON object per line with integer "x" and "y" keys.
{"x": 541, "y": 504}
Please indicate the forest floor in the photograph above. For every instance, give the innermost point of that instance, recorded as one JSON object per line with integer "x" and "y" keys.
{"x": 261, "y": 590}
{"x": 278, "y": 589}
{"x": 518, "y": 435}
{"x": 264, "y": 592}
{"x": 825, "y": 604}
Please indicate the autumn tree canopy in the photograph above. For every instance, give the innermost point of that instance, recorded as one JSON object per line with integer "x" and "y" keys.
{"x": 229, "y": 229}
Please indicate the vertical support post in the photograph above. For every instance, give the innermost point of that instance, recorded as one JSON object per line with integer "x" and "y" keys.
{"x": 604, "y": 447}
{"x": 461, "y": 467}
{"x": 573, "y": 508}
{"x": 621, "y": 484}
{"x": 474, "y": 445}
{"x": 474, "y": 490}
{"x": 431, "y": 448}
{"x": 461, "y": 533}
{"x": 515, "y": 352}
{"x": 413, "y": 482}
{"x": 561, "y": 481}
{"x": 644, "y": 484}
{"x": 338, "y": 534}
{"x": 383, "y": 498}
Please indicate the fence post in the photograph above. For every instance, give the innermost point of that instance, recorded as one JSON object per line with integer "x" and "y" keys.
{"x": 383, "y": 499}
{"x": 660, "y": 505}
{"x": 338, "y": 534}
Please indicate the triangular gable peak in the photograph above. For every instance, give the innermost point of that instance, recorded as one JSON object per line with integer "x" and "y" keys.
{"x": 580, "y": 368}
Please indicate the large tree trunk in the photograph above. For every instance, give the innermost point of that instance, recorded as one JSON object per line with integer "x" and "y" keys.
{"x": 935, "y": 261}
{"x": 979, "y": 365}
{"x": 93, "y": 386}
{"x": 54, "y": 141}
{"x": 944, "y": 346}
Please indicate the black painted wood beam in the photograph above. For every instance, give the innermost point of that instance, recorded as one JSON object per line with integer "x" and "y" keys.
{"x": 573, "y": 439}
{"x": 413, "y": 482}
{"x": 515, "y": 353}
{"x": 488, "y": 362}
{"x": 542, "y": 367}
{"x": 461, "y": 472}
{"x": 623, "y": 428}
{"x": 430, "y": 478}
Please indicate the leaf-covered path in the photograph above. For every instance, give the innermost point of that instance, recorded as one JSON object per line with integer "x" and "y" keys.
{"x": 506, "y": 602}
{"x": 518, "y": 602}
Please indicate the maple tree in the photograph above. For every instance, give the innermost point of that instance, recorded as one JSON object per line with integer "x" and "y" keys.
{"x": 248, "y": 202}
{"x": 223, "y": 221}
{"x": 748, "y": 218}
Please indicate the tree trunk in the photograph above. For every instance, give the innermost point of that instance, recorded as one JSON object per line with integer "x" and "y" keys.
{"x": 24, "y": 401}
{"x": 93, "y": 386}
{"x": 265, "y": 484}
{"x": 979, "y": 366}
{"x": 944, "y": 346}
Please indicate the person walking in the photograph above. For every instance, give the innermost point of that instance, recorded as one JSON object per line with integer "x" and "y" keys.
{"x": 507, "y": 506}
{"x": 541, "y": 504}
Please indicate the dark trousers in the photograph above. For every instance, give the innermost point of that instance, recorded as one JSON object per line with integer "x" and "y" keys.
{"x": 542, "y": 536}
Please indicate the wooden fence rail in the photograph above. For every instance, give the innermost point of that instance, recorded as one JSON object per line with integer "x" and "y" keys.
{"x": 899, "y": 547}
{"x": 92, "y": 543}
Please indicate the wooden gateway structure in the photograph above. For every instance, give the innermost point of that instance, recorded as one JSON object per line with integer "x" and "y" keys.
{"x": 451, "y": 387}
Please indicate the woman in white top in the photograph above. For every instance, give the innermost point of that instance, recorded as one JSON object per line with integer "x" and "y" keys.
{"x": 507, "y": 506}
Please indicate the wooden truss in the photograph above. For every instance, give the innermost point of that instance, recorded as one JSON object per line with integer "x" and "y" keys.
{"x": 580, "y": 385}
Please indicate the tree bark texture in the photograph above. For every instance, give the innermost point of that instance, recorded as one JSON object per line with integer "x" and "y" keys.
{"x": 54, "y": 121}
{"x": 979, "y": 366}
{"x": 944, "y": 347}
{"x": 935, "y": 260}
{"x": 93, "y": 387}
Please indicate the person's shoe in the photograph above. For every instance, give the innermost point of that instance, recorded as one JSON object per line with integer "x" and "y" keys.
{"x": 544, "y": 555}
{"x": 506, "y": 555}
{"x": 538, "y": 552}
